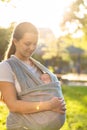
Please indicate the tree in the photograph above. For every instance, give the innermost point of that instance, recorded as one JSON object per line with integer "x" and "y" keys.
{"x": 75, "y": 15}
{"x": 5, "y": 35}
{"x": 74, "y": 23}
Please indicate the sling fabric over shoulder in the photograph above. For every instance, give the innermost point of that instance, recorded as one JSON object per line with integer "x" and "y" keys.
{"x": 33, "y": 89}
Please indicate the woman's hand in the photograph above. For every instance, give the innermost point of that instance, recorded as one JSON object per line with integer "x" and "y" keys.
{"x": 58, "y": 105}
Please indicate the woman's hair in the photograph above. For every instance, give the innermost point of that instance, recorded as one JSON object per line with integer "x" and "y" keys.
{"x": 1, "y": 97}
{"x": 18, "y": 33}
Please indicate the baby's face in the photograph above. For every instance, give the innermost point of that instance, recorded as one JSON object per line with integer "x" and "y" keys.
{"x": 45, "y": 78}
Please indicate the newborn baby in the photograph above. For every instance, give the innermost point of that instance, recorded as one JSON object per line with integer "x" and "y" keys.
{"x": 45, "y": 78}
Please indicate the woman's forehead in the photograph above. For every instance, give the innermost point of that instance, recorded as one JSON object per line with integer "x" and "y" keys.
{"x": 30, "y": 37}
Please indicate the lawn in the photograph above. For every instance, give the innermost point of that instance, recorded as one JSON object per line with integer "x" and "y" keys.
{"x": 76, "y": 103}
{"x": 3, "y": 114}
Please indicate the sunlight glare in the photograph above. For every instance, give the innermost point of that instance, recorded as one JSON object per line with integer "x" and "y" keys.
{"x": 46, "y": 13}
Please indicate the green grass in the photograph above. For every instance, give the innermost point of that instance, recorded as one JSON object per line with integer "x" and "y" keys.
{"x": 76, "y": 103}
{"x": 3, "y": 115}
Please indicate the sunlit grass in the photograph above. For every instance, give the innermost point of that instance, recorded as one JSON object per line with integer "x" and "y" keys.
{"x": 3, "y": 115}
{"x": 76, "y": 103}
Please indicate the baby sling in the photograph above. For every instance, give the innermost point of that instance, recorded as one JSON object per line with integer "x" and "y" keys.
{"x": 32, "y": 89}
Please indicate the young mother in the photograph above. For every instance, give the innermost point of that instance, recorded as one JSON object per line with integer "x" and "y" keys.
{"x": 32, "y": 104}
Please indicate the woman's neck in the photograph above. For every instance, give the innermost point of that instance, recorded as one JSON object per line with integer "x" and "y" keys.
{"x": 24, "y": 59}
{"x": 21, "y": 57}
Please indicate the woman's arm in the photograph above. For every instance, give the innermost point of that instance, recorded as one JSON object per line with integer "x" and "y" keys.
{"x": 14, "y": 105}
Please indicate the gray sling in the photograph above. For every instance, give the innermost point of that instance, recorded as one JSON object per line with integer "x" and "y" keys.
{"x": 32, "y": 89}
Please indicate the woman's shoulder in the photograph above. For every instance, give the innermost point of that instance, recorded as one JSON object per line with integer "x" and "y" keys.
{"x": 6, "y": 73}
{"x": 4, "y": 66}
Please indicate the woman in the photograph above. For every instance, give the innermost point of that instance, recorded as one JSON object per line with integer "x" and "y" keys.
{"x": 32, "y": 105}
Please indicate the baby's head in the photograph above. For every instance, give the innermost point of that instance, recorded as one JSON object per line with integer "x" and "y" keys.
{"x": 45, "y": 78}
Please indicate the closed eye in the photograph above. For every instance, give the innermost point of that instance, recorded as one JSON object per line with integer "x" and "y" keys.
{"x": 28, "y": 43}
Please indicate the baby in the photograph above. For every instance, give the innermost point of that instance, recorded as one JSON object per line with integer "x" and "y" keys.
{"x": 45, "y": 78}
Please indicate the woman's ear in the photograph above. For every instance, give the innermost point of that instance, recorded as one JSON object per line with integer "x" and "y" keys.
{"x": 14, "y": 41}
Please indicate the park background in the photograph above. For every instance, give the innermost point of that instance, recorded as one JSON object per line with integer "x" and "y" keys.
{"x": 62, "y": 47}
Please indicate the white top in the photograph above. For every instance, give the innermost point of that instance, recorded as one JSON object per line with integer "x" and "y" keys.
{"x": 6, "y": 73}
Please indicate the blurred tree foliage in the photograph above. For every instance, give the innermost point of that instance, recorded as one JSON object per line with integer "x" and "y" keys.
{"x": 5, "y": 34}
{"x": 74, "y": 22}
{"x": 76, "y": 13}
{"x": 5, "y": 0}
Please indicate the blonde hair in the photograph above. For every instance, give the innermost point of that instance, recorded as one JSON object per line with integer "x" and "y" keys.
{"x": 18, "y": 33}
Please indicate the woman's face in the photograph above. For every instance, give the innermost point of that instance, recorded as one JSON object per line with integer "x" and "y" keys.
{"x": 26, "y": 46}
